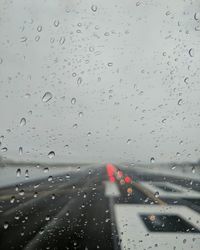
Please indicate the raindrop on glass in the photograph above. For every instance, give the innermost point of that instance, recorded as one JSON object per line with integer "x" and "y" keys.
{"x": 47, "y": 218}
{"x": 94, "y": 8}
{"x": 26, "y": 174}
{"x": 197, "y": 16}
{"x": 156, "y": 194}
{"x": 22, "y": 122}
{"x": 128, "y": 141}
{"x": 80, "y": 114}
{"x": 35, "y": 195}
{"x": 18, "y": 172}
{"x": 50, "y": 178}
{"x": 21, "y": 192}
{"x": 46, "y": 170}
{"x": 12, "y": 199}
{"x": 4, "y": 149}
{"x": 191, "y": 52}
{"x": 73, "y": 100}
{"x": 180, "y": 101}
{"x": 79, "y": 81}
{"x": 20, "y": 150}
{"x": 51, "y": 154}
{"x": 39, "y": 28}
{"x": 152, "y": 160}
{"x": 56, "y": 23}
{"x": 47, "y": 96}
{"x": 62, "y": 40}
{"x": 5, "y": 225}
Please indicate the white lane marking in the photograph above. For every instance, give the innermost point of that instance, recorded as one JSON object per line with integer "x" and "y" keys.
{"x": 135, "y": 236}
{"x": 111, "y": 189}
{"x": 183, "y": 192}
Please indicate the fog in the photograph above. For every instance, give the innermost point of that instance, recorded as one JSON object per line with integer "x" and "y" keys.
{"x": 132, "y": 67}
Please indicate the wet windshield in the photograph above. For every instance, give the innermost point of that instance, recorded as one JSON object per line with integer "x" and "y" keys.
{"x": 100, "y": 124}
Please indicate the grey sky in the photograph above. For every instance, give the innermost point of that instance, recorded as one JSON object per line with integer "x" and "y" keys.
{"x": 135, "y": 65}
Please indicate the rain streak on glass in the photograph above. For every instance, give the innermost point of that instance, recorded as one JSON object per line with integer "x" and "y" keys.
{"x": 47, "y": 96}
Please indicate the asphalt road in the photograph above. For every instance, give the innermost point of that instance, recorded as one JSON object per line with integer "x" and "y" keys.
{"x": 108, "y": 207}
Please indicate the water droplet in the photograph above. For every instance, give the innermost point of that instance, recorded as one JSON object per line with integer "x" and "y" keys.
{"x": 181, "y": 142}
{"x": 110, "y": 64}
{"x": 4, "y": 149}
{"x": 156, "y": 194}
{"x": 37, "y": 38}
{"x": 56, "y": 23}
{"x": 193, "y": 170}
{"x": 191, "y": 52}
{"x": 46, "y": 170}
{"x": 39, "y": 28}
{"x": 80, "y": 114}
{"x": 178, "y": 154}
{"x": 26, "y": 174}
{"x": 51, "y": 154}
{"x": 21, "y": 192}
{"x": 35, "y": 195}
{"x": 197, "y": 16}
{"x": 20, "y": 150}
{"x": 128, "y": 141}
{"x": 67, "y": 176}
{"x": 62, "y": 40}
{"x": 12, "y": 199}
{"x": 94, "y": 8}
{"x": 89, "y": 133}
{"x": 47, "y": 96}
{"x": 5, "y": 225}
{"x": 197, "y": 28}
{"x": 79, "y": 81}
{"x": 1, "y": 60}
{"x": 75, "y": 125}
{"x": 53, "y": 196}
{"x": 50, "y": 178}
{"x": 73, "y": 100}
{"x": 186, "y": 80}
{"x": 180, "y": 101}
{"x": 23, "y": 39}
{"x": 152, "y": 160}
{"x": 22, "y": 122}
{"x": 47, "y": 218}
{"x": 18, "y": 172}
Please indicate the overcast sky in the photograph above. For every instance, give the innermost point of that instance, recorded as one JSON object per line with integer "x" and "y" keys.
{"x": 133, "y": 68}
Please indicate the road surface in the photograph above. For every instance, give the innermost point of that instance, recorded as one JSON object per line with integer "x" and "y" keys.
{"x": 106, "y": 207}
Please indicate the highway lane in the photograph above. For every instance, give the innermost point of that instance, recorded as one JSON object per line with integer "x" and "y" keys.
{"x": 99, "y": 209}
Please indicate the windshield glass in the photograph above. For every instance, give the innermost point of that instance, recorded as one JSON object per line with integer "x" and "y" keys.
{"x": 100, "y": 124}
